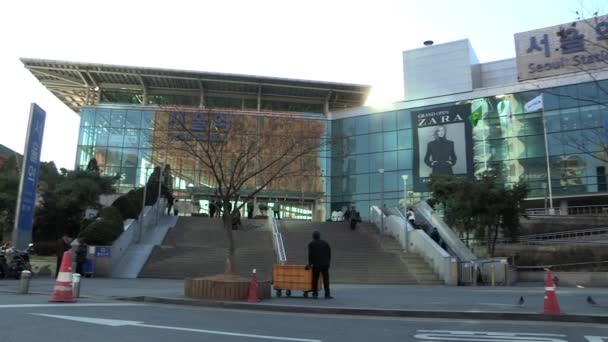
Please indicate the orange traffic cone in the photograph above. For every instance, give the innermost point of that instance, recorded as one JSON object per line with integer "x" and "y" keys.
{"x": 253, "y": 289}
{"x": 63, "y": 285}
{"x": 551, "y": 304}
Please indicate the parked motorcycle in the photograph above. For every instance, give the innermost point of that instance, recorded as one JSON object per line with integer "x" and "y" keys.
{"x": 14, "y": 261}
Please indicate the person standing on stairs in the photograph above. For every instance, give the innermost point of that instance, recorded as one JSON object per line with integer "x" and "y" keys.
{"x": 354, "y": 219}
{"x": 319, "y": 258}
{"x": 277, "y": 210}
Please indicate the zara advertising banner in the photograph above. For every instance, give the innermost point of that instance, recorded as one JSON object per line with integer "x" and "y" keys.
{"x": 443, "y": 143}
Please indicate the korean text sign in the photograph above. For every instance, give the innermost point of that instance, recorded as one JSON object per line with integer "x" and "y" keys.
{"x": 556, "y": 50}
{"x": 26, "y": 203}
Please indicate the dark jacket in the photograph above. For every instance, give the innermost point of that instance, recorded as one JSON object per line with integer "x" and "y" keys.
{"x": 62, "y": 247}
{"x": 319, "y": 253}
{"x": 440, "y": 156}
{"x": 81, "y": 253}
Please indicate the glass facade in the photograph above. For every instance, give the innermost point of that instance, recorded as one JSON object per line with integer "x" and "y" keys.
{"x": 130, "y": 141}
{"x": 370, "y": 153}
{"x": 506, "y": 139}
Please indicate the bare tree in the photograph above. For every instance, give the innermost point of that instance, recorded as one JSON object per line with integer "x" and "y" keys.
{"x": 242, "y": 155}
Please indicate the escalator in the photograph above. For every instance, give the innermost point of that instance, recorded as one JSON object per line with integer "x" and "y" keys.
{"x": 424, "y": 213}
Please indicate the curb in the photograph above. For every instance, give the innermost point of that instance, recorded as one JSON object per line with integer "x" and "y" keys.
{"x": 508, "y": 316}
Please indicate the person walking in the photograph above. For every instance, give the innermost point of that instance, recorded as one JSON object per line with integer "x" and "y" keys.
{"x": 176, "y": 208}
{"x": 277, "y": 210}
{"x": 63, "y": 245}
{"x": 211, "y": 208}
{"x": 354, "y": 219}
{"x": 411, "y": 217}
{"x": 319, "y": 258}
{"x": 249, "y": 209}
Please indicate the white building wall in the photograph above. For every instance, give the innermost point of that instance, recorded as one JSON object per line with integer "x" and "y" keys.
{"x": 438, "y": 70}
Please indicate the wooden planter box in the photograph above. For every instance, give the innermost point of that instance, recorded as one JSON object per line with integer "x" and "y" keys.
{"x": 223, "y": 287}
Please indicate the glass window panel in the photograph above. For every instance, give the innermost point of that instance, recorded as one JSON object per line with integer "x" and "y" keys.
{"x": 87, "y": 136}
{"x": 390, "y": 141}
{"x": 361, "y": 144}
{"x": 129, "y": 157}
{"x": 404, "y": 119}
{"x": 362, "y": 123}
{"x": 87, "y": 117}
{"x": 147, "y": 119}
{"x": 103, "y": 118}
{"x": 404, "y": 139}
{"x": 555, "y": 143}
{"x": 389, "y": 121}
{"x": 552, "y": 120}
{"x": 101, "y": 136}
{"x": 390, "y": 160}
{"x": 568, "y": 96}
{"x": 131, "y": 138}
{"x": 570, "y": 119}
{"x": 376, "y": 162}
{"x": 404, "y": 159}
{"x": 348, "y": 126}
{"x": 375, "y": 122}
{"x": 362, "y": 184}
{"x": 588, "y": 94}
{"x": 116, "y": 137}
{"x": 375, "y": 184}
{"x": 531, "y": 124}
{"x": 362, "y": 164}
{"x": 118, "y": 118}
{"x": 591, "y": 117}
{"x": 113, "y": 156}
{"x": 375, "y": 142}
{"x": 128, "y": 176}
{"x": 535, "y": 146}
{"x": 551, "y": 98}
{"x": 391, "y": 182}
{"x": 133, "y": 119}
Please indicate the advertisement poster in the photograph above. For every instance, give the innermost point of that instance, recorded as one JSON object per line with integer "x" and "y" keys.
{"x": 442, "y": 143}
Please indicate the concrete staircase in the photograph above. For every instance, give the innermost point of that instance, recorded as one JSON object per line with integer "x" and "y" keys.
{"x": 197, "y": 247}
{"x": 358, "y": 257}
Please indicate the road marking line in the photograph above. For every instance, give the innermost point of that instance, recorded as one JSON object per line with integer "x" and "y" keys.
{"x": 122, "y": 323}
{"x": 17, "y": 306}
{"x": 485, "y": 336}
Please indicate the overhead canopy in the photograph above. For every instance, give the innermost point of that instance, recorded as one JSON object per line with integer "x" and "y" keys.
{"x": 80, "y": 84}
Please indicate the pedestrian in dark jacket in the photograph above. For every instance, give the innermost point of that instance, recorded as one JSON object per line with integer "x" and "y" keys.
{"x": 63, "y": 245}
{"x": 355, "y": 218}
{"x": 319, "y": 258}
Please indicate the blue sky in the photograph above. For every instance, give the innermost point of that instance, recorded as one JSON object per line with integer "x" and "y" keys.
{"x": 330, "y": 40}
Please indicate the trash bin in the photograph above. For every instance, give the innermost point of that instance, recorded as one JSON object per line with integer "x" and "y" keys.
{"x": 88, "y": 268}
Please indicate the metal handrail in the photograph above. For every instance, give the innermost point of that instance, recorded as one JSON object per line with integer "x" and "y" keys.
{"x": 600, "y": 209}
{"x": 278, "y": 242}
{"x": 550, "y": 236}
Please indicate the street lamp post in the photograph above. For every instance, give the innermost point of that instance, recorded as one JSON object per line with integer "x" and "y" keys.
{"x": 381, "y": 172}
{"x": 404, "y": 177}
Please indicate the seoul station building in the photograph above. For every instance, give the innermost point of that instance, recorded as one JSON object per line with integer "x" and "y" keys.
{"x": 541, "y": 117}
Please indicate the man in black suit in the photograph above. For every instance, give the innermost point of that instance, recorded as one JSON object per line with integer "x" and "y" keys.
{"x": 319, "y": 258}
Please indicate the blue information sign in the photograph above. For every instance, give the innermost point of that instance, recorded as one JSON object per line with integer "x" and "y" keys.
{"x": 26, "y": 202}
{"x": 103, "y": 252}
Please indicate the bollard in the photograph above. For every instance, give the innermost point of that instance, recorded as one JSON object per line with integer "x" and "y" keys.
{"x": 76, "y": 285}
{"x": 493, "y": 275}
{"x": 24, "y": 282}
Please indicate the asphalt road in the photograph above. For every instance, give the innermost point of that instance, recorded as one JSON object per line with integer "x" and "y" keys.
{"x": 31, "y": 318}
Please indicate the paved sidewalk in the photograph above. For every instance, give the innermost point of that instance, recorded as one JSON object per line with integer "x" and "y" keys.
{"x": 438, "y": 299}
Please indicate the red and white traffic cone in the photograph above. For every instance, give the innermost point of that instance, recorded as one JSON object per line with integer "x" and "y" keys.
{"x": 253, "y": 289}
{"x": 551, "y": 304}
{"x": 63, "y": 285}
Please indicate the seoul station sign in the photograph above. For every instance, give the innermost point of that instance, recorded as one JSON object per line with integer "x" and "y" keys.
{"x": 561, "y": 49}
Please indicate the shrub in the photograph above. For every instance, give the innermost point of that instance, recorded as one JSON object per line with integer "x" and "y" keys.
{"x": 111, "y": 214}
{"x": 101, "y": 232}
{"x": 129, "y": 205}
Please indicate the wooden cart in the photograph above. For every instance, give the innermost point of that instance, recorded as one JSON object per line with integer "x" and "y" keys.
{"x": 292, "y": 278}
